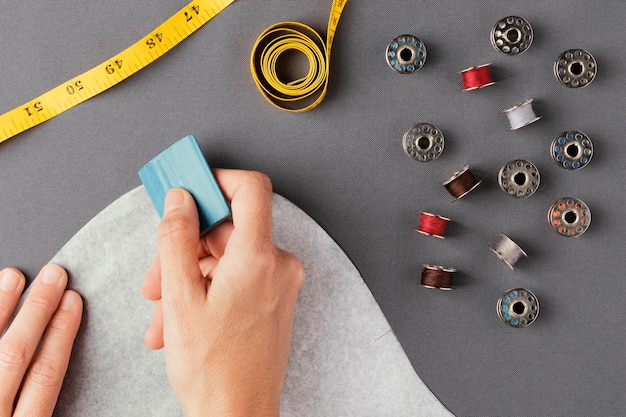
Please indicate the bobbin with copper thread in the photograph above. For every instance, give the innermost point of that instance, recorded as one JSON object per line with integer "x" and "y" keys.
{"x": 511, "y": 35}
{"x": 572, "y": 150}
{"x": 476, "y": 77}
{"x": 575, "y": 68}
{"x": 569, "y": 217}
{"x": 507, "y": 251}
{"x": 519, "y": 178}
{"x": 437, "y": 277}
{"x": 518, "y": 308}
{"x": 461, "y": 183}
{"x": 406, "y": 54}
{"x": 521, "y": 114}
{"x": 423, "y": 142}
{"x": 432, "y": 225}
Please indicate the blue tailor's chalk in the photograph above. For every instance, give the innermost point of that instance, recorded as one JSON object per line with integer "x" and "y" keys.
{"x": 182, "y": 165}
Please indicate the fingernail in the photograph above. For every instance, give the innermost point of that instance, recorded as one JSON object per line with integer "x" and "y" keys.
{"x": 50, "y": 274}
{"x": 9, "y": 280}
{"x": 174, "y": 199}
{"x": 67, "y": 302}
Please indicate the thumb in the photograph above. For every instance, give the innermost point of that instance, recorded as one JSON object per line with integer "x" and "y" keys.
{"x": 178, "y": 238}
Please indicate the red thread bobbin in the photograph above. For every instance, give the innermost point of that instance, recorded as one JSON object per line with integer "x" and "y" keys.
{"x": 432, "y": 224}
{"x": 476, "y": 77}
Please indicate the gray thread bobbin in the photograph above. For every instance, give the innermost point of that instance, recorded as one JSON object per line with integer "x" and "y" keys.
{"x": 406, "y": 54}
{"x": 423, "y": 142}
{"x": 575, "y": 68}
{"x": 512, "y": 35}
{"x": 508, "y": 251}
{"x": 518, "y": 307}
{"x": 569, "y": 217}
{"x": 572, "y": 149}
{"x": 519, "y": 178}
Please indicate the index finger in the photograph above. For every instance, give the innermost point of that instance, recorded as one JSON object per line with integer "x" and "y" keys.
{"x": 250, "y": 196}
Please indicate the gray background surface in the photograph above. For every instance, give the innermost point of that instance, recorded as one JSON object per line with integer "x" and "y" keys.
{"x": 343, "y": 164}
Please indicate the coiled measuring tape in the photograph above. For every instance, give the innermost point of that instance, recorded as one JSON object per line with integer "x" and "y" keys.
{"x": 307, "y": 92}
{"x": 112, "y": 71}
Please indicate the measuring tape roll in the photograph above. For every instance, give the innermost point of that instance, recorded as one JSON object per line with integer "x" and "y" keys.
{"x": 112, "y": 71}
{"x": 307, "y": 92}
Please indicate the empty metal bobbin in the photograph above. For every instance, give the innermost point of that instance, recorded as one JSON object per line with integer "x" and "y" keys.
{"x": 406, "y": 54}
{"x": 518, "y": 307}
{"x": 575, "y": 68}
{"x": 519, "y": 178}
{"x": 572, "y": 149}
{"x": 569, "y": 217}
{"x": 512, "y": 35}
{"x": 423, "y": 142}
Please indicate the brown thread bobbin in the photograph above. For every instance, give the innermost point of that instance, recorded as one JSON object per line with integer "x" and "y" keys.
{"x": 436, "y": 276}
{"x": 461, "y": 183}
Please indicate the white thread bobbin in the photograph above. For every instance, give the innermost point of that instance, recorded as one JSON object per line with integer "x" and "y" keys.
{"x": 521, "y": 114}
{"x": 508, "y": 251}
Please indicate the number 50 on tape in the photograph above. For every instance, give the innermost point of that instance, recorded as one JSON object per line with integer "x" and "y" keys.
{"x": 116, "y": 69}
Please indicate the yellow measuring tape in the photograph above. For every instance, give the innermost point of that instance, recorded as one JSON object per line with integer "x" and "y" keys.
{"x": 112, "y": 71}
{"x": 307, "y": 92}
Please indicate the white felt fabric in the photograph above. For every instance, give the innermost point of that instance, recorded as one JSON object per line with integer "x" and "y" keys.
{"x": 345, "y": 360}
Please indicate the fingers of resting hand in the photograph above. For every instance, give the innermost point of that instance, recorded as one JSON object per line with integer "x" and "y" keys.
{"x": 151, "y": 284}
{"x": 178, "y": 237}
{"x": 12, "y": 284}
{"x": 154, "y": 335}
{"x": 250, "y": 195}
{"x": 20, "y": 341}
{"x": 43, "y": 380}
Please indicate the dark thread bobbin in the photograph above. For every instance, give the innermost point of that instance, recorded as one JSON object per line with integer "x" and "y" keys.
{"x": 476, "y": 77}
{"x": 461, "y": 183}
{"x": 432, "y": 225}
{"x": 511, "y": 35}
{"x": 437, "y": 276}
{"x": 575, "y": 68}
{"x": 569, "y": 217}
{"x": 518, "y": 307}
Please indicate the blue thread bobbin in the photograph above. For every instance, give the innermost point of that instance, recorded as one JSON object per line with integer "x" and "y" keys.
{"x": 518, "y": 307}
{"x": 406, "y": 54}
{"x": 572, "y": 150}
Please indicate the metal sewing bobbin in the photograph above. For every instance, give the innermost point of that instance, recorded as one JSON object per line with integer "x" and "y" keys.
{"x": 569, "y": 217}
{"x": 423, "y": 142}
{"x": 461, "y": 183}
{"x": 512, "y": 35}
{"x": 437, "y": 276}
{"x": 518, "y": 307}
{"x": 572, "y": 149}
{"x": 521, "y": 114}
{"x": 508, "y": 251}
{"x": 476, "y": 77}
{"x": 406, "y": 54}
{"x": 575, "y": 68}
{"x": 519, "y": 178}
{"x": 432, "y": 225}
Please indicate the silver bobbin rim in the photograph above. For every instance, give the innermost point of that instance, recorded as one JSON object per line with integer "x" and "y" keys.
{"x": 398, "y": 63}
{"x": 575, "y": 68}
{"x": 560, "y": 208}
{"x": 412, "y": 144}
{"x": 506, "y": 310}
{"x": 567, "y": 139}
{"x": 509, "y": 172}
{"x": 503, "y": 43}
{"x": 502, "y": 258}
{"x": 479, "y": 86}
